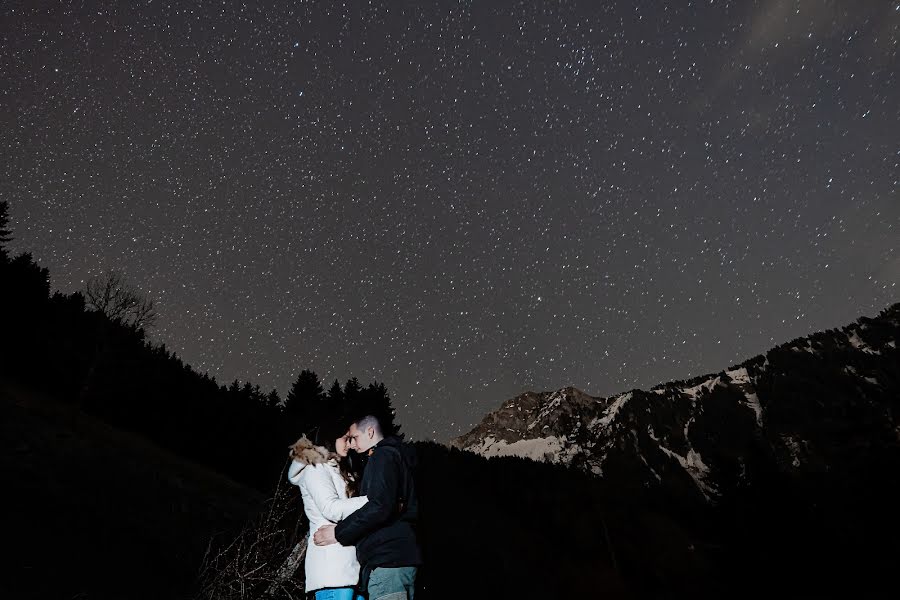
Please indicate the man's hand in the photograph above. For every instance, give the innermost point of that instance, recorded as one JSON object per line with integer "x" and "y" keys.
{"x": 324, "y": 535}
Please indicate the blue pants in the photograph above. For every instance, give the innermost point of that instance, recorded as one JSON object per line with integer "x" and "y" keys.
{"x": 337, "y": 594}
{"x": 392, "y": 583}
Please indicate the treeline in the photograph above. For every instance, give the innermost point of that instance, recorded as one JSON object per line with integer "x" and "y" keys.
{"x": 100, "y": 360}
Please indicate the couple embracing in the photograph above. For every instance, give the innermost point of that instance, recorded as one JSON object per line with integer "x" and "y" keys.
{"x": 364, "y": 540}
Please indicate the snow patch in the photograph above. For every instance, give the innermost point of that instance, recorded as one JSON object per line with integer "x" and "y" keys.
{"x": 707, "y": 385}
{"x": 741, "y": 378}
{"x": 851, "y": 370}
{"x": 610, "y": 413}
{"x": 755, "y": 406}
{"x": 649, "y": 468}
{"x": 695, "y": 467}
{"x": 549, "y": 449}
{"x": 739, "y": 375}
{"x": 692, "y": 463}
{"x": 554, "y": 401}
{"x": 859, "y": 344}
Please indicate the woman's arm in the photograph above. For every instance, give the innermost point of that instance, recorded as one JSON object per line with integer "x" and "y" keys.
{"x": 330, "y": 504}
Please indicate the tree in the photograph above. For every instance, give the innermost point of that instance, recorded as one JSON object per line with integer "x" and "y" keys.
{"x": 335, "y": 394}
{"x": 272, "y": 399}
{"x": 5, "y": 234}
{"x": 351, "y": 393}
{"x": 120, "y": 305}
{"x": 375, "y": 400}
{"x": 111, "y": 295}
{"x": 371, "y": 400}
{"x": 303, "y": 405}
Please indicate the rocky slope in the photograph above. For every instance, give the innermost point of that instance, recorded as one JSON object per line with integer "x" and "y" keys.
{"x": 824, "y": 403}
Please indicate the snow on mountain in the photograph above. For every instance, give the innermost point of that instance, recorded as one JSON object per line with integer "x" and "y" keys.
{"x": 712, "y": 433}
{"x": 548, "y": 448}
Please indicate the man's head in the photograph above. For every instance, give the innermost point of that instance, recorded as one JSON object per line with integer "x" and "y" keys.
{"x": 364, "y": 434}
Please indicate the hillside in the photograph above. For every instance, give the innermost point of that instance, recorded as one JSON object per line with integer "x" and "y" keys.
{"x": 95, "y": 512}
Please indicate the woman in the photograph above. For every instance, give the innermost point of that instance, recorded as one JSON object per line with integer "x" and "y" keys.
{"x": 323, "y": 474}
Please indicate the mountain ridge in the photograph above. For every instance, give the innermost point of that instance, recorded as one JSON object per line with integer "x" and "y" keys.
{"x": 697, "y": 436}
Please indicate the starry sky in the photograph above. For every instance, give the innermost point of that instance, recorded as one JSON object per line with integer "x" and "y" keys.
{"x": 464, "y": 200}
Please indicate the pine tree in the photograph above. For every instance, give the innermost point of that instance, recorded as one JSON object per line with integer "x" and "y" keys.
{"x": 304, "y": 404}
{"x": 5, "y": 233}
{"x": 352, "y": 399}
{"x": 375, "y": 400}
{"x": 358, "y": 402}
{"x": 335, "y": 394}
{"x": 335, "y": 405}
{"x": 351, "y": 390}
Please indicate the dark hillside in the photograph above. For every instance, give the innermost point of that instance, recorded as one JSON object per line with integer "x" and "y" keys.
{"x": 513, "y": 528}
{"x": 95, "y": 512}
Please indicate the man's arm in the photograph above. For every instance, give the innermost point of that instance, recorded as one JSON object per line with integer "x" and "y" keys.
{"x": 382, "y": 492}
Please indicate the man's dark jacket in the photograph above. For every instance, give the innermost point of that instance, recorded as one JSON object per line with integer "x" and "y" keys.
{"x": 383, "y": 529}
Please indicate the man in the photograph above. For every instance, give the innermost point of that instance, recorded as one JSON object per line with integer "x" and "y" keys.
{"x": 382, "y": 530}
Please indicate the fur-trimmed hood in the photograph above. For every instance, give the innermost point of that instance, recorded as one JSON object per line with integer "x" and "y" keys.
{"x": 304, "y": 453}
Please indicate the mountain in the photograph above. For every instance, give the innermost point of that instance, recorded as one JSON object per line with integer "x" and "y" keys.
{"x": 823, "y": 405}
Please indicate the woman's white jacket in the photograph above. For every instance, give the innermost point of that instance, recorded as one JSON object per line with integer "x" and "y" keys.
{"x": 325, "y": 501}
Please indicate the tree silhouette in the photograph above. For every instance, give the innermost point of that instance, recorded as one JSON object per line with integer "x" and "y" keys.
{"x": 303, "y": 406}
{"x": 375, "y": 400}
{"x": 111, "y": 295}
{"x": 272, "y": 399}
{"x": 5, "y": 233}
{"x": 371, "y": 400}
{"x": 351, "y": 391}
{"x": 335, "y": 395}
{"x": 119, "y": 304}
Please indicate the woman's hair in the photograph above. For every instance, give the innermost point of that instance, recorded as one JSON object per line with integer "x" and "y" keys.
{"x": 327, "y": 435}
{"x": 328, "y": 432}
{"x": 350, "y": 474}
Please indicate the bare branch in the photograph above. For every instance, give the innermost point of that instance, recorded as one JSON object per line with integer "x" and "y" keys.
{"x": 260, "y": 563}
{"x": 111, "y": 295}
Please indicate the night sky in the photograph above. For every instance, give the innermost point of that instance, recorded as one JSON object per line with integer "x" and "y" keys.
{"x": 464, "y": 200}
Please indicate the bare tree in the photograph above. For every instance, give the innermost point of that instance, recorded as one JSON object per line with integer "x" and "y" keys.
{"x": 113, "y": 296}
{"x": 263, "y": 561}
